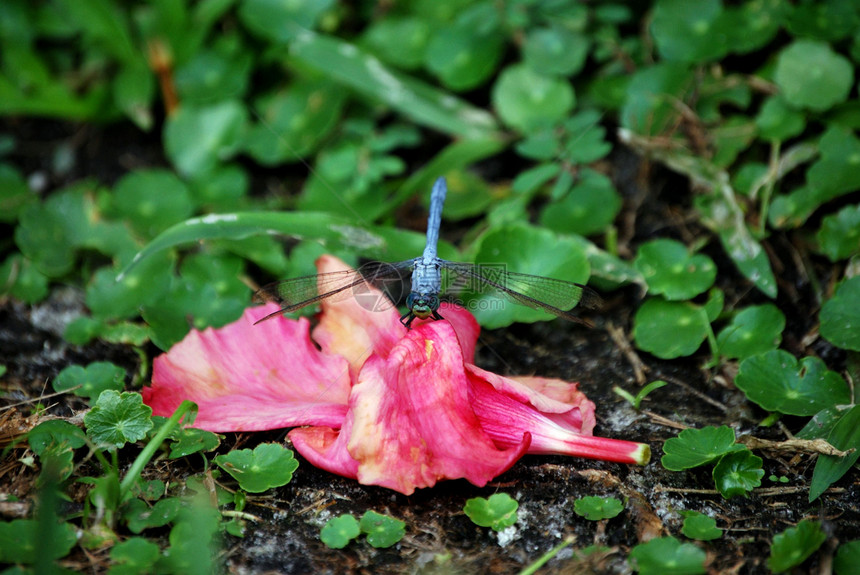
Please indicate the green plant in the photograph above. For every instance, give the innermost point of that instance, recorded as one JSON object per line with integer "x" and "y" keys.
{"x": 498, "y": 511}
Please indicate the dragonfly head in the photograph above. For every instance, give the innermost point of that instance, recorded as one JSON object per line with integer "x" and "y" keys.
{"x": 422, "y": 306}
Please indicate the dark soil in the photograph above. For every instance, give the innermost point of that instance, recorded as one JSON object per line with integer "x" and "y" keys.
{"x": 439, "y": 537}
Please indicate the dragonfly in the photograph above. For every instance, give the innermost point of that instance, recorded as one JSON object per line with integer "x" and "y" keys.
{"x": 431, "y": 279}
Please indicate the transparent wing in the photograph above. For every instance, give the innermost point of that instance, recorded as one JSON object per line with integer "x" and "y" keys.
{"x": 296, "y": 293}
{"x": 558, "y": 297}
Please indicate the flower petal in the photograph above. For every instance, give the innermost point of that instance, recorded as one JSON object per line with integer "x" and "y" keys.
{"x": 246, "y": 377}
{"x": 505, "y": 417}
{"x": 410, "y": 423}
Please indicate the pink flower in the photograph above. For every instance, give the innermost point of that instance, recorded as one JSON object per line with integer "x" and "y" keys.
{"x": 377, "y": 402}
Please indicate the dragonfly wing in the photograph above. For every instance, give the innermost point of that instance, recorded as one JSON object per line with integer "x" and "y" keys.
{"x": 296, "y": 293}
{"x": 555, "y": 296}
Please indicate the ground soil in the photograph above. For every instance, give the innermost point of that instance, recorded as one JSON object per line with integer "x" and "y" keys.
{"x": 439, "y": 537}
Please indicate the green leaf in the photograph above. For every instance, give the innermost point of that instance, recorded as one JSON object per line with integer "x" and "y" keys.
{"x": 754, "y": 330}
{"x": 55, "y": 432}
{"x": 382, "y": 531}
{"x": 689, "y": 31}
{"x": 15, "y": 195}
{"x": 93, "y": 380}
{"x": 110, "y": 298}
{"x": 280, "y": 21}
{"x": 525, "y": 99}
{"x": 672, "y": 271}
{"x": 294, "y": 122}
{"x": 139, "y": 515}
{"x": 847, "y": 558}
{"x": 695, "y": 447}
{"x": 118, "y": 418}
{"x": 667, "y": 556}
{"x": 197, "y": 138}
{"x": 840, "y": 316}
{"x": 754, "y": 23}
{"x": 349, "y": 66}
{"x": 152, "y": 200}
{"x": 811, "y": 75}
{"x": 212, "y": 75}
{"x": 669, "y": 329}
{"x": 845, "y": 435}
{"x": 776, "y": 382}
{"x": 700, "y": 527}
{"x": 588, "y": 208}
{"x": 555, "y": 51}
{"x": 649, "y": 108}
{"x": 268, "y": 465}
{"x": 189, "y": 440}
{"x": 464, "y": 54}
{"x": 598, "y": 508}
{"x": 529, "y": 250}
{"x": 338, "y": 532}
{"x": 133, "y": 92}
{"x": 20, "y": 278}
{"x": 839, "y": 235}
{"x": 794, "y": 545}
{"x": 135, "y": 556}
{"x": 20, "y": 541}
{"x": 499, "y": 511}
{"x": 777, "y": 121}
{"x": 738, "y": 473}
{"x": 829, "y": 20}
{"x": 335, "y": 231}
{"x": 398, "y": 40}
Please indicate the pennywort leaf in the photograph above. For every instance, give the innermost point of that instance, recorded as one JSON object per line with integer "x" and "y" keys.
{"x": 670, "y": 270}
{"x": 338, "y": 532}
{"x": 737, "y": 473}
{"x": 499, "y": 511}
{"x": 695, "y": 447}
{"x": 118, "y": 418}
{"x": 700, "y": 527}
{"x": 382, "y": 531}
{"x": 597, "y": 508}
{"x": 794, "y": 545}
{"x": 90, "y": 381}
{"x": 840, "y": 316}
{"x": 777, "y": 382}
{"x": 667, "y": 556}
{"x": 268, "y": 465}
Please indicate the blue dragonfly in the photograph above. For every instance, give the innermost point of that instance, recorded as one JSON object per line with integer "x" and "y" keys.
{"x": 431, "y": 279}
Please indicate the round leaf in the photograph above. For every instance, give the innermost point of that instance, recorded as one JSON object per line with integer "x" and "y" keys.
{"x": 794, "y": 545}
{"x": 669, "y": 329}
{"x": 94, "y": 379}
{"x": 462, "y": 58}
{"x": 670, "y": 270}
{"x": 776, "y": 382}
{"x": 700, "y": 527}
{"x": 196, "y": 139}
{"x": 382, "y": 531}
{"x": 338, "y": 532}
{"x": 499, "y": 511}
{"x": 689, "y": 31}
{"x": 738, "y": 473}
{"x": 588, "y": 208}
{"x": 281, "y": 21}
{"x": 754, "y": 330}
{"x": 811, "y": 75}
{"x": 268, "y": 465}
{"x": 555, "y": 51}
{"x": 529, "y": 250}
{"x": 152, "y": 200}
{"x": 695, "y": 447}
{"x": 118, "y": 418}
{"x": 840, "y": 316}
{"x": 667, "y": 556}
{"x": 398, "y": 40}
{"x": 777, "y": 121}
{"x": 839, "y": 236}
{"x": 597, "y": 508}
{"x": 525, "y": 99}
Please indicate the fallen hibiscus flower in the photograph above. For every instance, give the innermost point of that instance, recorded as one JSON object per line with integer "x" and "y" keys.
{"x": 377, "y": 402}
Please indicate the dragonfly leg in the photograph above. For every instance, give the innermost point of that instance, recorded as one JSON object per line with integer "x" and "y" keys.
{"x": 407, "y": 319}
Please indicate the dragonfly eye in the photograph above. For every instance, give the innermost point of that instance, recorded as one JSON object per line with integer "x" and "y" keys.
{"x": 422, "y": 306}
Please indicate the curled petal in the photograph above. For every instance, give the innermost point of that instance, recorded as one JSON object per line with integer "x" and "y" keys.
{"x": 248, "y": 378}
{"x": 505, "y": 418}
{"x": 410, "y": 422}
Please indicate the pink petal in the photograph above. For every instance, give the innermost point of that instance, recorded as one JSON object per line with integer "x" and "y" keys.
{"x": 410, "y": 423}
{"x": 246, "y": 377}
{"x": 505, "y": 417}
